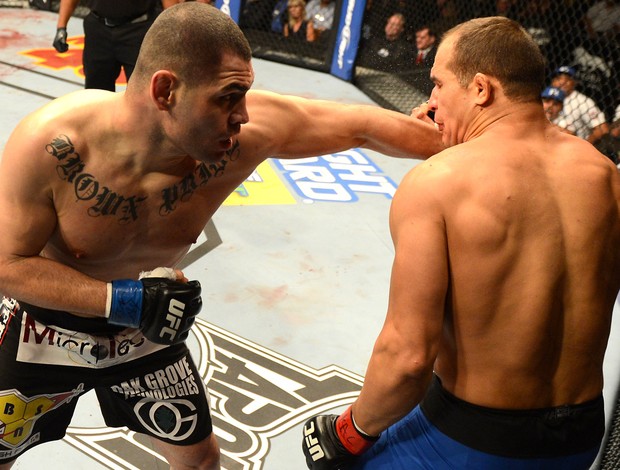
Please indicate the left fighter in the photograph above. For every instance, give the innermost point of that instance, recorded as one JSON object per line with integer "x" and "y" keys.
{"x": 99, "y": 186}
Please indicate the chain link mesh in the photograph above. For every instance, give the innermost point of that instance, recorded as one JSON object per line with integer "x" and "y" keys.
{"x": 574, "y": 33}
{"x": 582, "y": 34}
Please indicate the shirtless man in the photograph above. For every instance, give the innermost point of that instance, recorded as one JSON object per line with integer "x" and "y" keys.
{"x": 505, "y": 275}
{"x": 97, "y": 187}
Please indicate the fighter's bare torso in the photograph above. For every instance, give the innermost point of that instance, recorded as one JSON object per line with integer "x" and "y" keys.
{"x": 121, "y": 222}
{"x": 530, "y": 292}
{"x": 114, "y": 219}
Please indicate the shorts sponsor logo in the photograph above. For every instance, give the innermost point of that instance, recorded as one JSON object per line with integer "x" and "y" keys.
{"x": 255, "y": 395}
{"x": 336, "y": 178}
{"x": 174, "y": 419}
{"x": 7, "y": 312}
{"x": 174, "y": 381}
{"x": 18, "y": 414}
{"x": 44, "y": 344}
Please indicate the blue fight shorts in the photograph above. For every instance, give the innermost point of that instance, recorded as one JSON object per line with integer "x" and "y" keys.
{"x": 45, "y": 368}
{"x": 479, "y": 438}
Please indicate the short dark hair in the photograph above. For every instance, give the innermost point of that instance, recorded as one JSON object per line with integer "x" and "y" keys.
{"x": 190, "y": 39}
{"x": 431, "y": 31}
{"x": 502, "y": 48}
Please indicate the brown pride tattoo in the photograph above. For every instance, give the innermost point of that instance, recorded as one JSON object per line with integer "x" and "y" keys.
{"x": 104, "y": 201}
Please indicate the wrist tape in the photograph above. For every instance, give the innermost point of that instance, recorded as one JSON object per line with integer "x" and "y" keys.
{"x": 352, "y": 437}
{"x": 124, "y": 303}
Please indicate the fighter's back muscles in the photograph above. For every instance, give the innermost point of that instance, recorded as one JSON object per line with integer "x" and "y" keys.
{"x": 531, "y": 319}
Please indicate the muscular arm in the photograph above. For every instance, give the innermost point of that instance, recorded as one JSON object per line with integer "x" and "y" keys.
{"x": 401, "y": 364}
{"x": 293, "y": 127}
{"x": 28, "y": 218}
{"x": 65, "y": 10}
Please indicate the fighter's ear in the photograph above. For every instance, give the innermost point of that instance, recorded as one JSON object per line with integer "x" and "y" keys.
{"x": 483, "y": 86}
{"x": 163, "y": 83}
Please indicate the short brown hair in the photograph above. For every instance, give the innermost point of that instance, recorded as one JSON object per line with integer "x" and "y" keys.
{"x": 190, "y": 39}
{"x": 502, "y": 48}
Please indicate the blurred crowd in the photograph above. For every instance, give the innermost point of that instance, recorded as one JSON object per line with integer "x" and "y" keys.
{"x": 579, "y": 38}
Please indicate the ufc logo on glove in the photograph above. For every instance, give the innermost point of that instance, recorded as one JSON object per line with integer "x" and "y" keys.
{"x": 162, "y": 308}
{"x": 176, "y": 309}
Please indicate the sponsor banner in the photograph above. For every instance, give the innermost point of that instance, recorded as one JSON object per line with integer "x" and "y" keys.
{"x": 337, "y": 177}
{"x": 347, "y": 42}
{"x": 261, "y": 188}
{"x": 231, "y": 7}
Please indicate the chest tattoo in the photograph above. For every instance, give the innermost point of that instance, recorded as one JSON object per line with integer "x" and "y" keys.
{"x": 201, "y": 175}
{"x": 104, "y": 201}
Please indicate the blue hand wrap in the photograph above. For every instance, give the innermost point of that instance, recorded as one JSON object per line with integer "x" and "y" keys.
{"x": 126, "y": 306}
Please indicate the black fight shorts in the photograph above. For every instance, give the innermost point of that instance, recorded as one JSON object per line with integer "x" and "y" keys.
{"x": 523, "y": 434}
{"x": 149, "y": 388}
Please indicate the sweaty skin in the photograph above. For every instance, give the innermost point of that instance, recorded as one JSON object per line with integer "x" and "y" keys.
{"x": 98, "y": 186}
{"x": 506, "y": 263}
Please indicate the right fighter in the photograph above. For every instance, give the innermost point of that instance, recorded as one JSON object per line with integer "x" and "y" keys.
{"x": 504, "y": 279}
{"x": 96, "y": 187}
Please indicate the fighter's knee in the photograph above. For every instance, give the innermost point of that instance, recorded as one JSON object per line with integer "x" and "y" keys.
{"x": 204, "y": 455}
{"x": 207, "y": 456}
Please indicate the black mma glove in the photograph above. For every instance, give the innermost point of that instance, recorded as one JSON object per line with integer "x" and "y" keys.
{"x": 60, "y": 40}
{"x": 332, "y": 442}
{"x": 163, "y": 309}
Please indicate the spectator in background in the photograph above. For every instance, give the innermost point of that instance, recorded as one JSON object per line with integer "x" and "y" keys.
{"x": 426, "y": 47}
{"x": 541, "y": 18}
{"x": 615, "y": 127}
{"x": 423, "y": 58}
{"x": 580, "y": 110}
{"x": 390, "y": 52}
{"x": 448, "y": 16}
{"x": 113, "y": 34}
{"x": 321, "y": 12}
{"x": 298, "y": 26}
{"x": 613, "y": 140}
{"x": 553, "y": 103}
{"x": 503, "y": 7}
{"x": 603, "y": 19}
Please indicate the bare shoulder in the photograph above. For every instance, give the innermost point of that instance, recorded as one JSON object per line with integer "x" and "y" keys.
{"x": 440, "y": 168}
{"x": 42, "y": 137}
{"x": 72, "y": 111}
{"x": 432, "y": 180}
{"x": 582, "y": 160}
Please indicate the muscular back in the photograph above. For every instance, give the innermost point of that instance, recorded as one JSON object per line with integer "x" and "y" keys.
{"x": 533, "y": 234}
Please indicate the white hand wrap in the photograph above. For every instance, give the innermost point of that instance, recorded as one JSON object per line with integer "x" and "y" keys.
{"x": 167, "y": 273}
